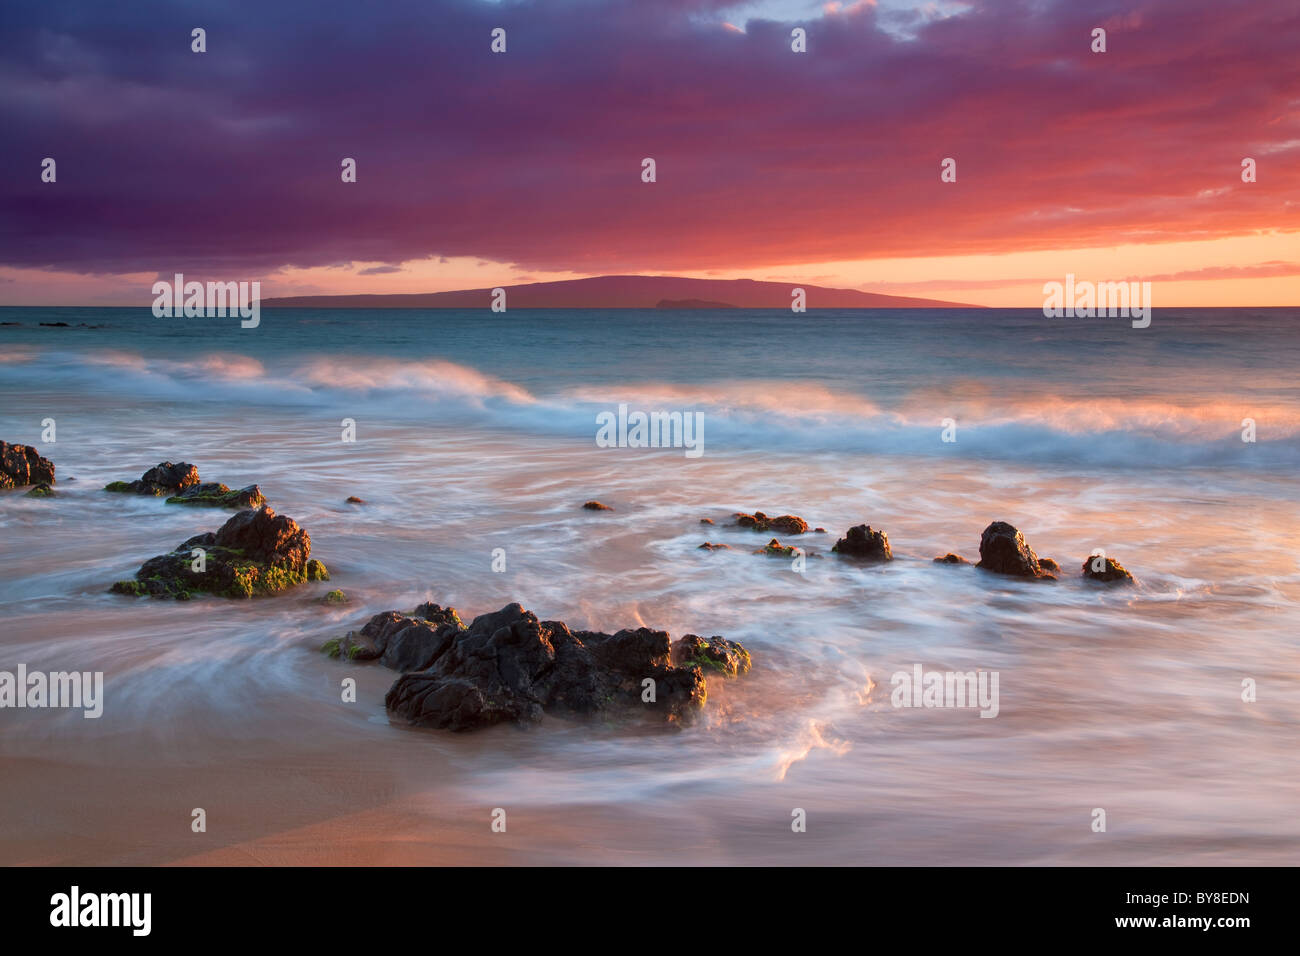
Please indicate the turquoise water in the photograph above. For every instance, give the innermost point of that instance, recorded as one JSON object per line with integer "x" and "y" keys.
{"x": 476, "y": 430}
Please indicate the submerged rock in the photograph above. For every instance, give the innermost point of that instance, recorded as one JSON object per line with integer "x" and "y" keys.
{"x": 951, "y": 558}
{"x": 42, "y": 490}
{"x": 596, "y": 506}
{"x": 1003, "y": 551}
{"x": 22, "y": 465}
{"x": 216, "y": 495}
{"x": 711, "y": 546}
{"x": 1106, "y": 570}
{"x": 783, "y": 524}
{"x": 255, "y": 553}
{"x": 861, "y": 541}
{"x": 776, "y": 549}
{"x": 353, "y": 500}
{"x": 510, "y": 666}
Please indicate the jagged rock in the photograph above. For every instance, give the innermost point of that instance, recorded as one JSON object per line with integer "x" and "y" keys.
{"x": 861, "y": 541}
{"x": 1106, "y": 570}
{"x": 783, "y": 524}
{"x": 510, "y": 666}
{"x": 1003, "y": 551}
{"x": 255, "y": 553}
{"x": 22, "y": 465}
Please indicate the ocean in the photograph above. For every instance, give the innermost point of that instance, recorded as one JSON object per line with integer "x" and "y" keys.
{"x": 476, "y": 431}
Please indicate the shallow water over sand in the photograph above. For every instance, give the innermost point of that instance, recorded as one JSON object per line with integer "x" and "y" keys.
{"x": 1127, "y": 700}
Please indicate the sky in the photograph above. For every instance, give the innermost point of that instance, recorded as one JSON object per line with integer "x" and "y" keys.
{"x": 477, "y": 169}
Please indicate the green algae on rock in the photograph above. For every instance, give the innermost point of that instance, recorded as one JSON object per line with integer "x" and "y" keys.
{"x": 214, "y": 494}
{"x": 181, "y": 484}
{"x": 256, "y": 553}
{"x": 164, "y": 478}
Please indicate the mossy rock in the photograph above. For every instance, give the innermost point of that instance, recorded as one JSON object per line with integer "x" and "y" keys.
{"x": 41, "y": 490}
{"x": 776, "y": 549}
{"x": 335, "y": 597}
{"x": 260, "y": 554}
{"x": 214, "y": 494}
{"x": 715, "y": 653}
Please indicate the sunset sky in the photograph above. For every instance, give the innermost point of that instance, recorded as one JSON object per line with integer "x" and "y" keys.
{"x": 479, "y": 169}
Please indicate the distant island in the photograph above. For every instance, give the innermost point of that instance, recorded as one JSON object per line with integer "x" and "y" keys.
{"x": 625, "y": 292}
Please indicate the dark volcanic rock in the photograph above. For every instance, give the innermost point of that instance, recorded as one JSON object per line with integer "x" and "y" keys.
{"x": 180, "y": 482}
{"x": 22, "y": 465}
{"x": 1003, "y": 551}
{"x": 256, "y": 552}
{"x": 1106, "y": 570}
{"x": 164, "y": 478}
{"x": 510, "y": 666}
{"x": 1047, "y": 564}
{"x": 863, "y": 542}
{"x": 438, "y": 614}
{"x": 783, "y": 524}
{"x": 951, "y": 558}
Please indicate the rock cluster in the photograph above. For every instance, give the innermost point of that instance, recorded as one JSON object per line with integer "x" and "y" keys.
{"x": 181, "y": 483}
{"x": 511, "y": 666}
